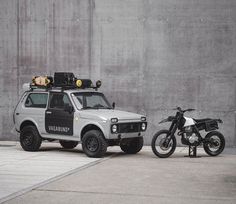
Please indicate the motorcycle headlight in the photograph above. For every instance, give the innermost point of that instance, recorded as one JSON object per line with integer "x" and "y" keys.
{"x": 114, "y": 128}
{"x": 143, "y": 126}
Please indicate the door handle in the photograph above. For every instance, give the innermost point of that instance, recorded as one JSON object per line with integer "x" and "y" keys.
{"x": 48, "y": 112}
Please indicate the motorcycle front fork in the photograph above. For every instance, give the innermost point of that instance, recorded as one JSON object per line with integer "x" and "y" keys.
{"x": 171, "y": 134}
{"x": 167, "y": 141}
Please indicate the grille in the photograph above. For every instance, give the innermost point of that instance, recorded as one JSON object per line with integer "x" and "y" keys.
{"x": 129, "y": 127}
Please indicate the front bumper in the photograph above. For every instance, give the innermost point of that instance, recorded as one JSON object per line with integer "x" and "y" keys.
{"x": 127, "y": 130}
{"x": 126, "y": 135}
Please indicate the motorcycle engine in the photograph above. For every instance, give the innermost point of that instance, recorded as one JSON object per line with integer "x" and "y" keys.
{"x": 189, "y": 135}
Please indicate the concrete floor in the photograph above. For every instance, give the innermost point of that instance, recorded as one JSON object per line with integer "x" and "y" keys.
{"x": 141, "y": 178}
{"x": 22, "y": 171}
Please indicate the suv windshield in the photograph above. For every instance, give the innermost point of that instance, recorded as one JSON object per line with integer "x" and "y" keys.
{"x": 90, "y": 100}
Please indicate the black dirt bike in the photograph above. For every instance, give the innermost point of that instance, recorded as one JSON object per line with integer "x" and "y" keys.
{"x": 164, "y": 141}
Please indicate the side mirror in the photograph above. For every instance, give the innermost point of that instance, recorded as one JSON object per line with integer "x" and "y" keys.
{"x": 113, "y": 105}
{"x": 68, "y": 108}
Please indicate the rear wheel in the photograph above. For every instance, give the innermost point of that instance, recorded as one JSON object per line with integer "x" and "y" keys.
{"x": 68, "y": 144}
{"x": 30, "y": 139}
{"x": 160, "y": 147}
{"x": 94, "y": 144}
{"x": 214, "y": 143}
{"x": 132, "y": 146}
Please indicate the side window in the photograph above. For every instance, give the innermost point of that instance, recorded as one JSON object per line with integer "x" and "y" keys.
{"x": 59, "y": 100}
{"x": 66, "y": 100}
{"x": 36, "y": 100}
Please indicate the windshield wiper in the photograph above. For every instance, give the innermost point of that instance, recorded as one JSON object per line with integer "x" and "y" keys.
{"x": 88, "y": 107}
{"x": 98, "y": 107}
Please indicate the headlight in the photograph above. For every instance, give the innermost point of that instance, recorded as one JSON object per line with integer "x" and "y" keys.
{"x": 114, "y": 128}
{"x": 143, "y": 126}
{"x": 114, "y": 120}
{"x": 143, "y": 118}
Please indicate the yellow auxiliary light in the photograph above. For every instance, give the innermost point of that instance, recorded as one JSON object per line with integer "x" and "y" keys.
{"x": 79, "y": 83}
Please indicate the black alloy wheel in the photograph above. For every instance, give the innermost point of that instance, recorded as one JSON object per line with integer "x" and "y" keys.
{"x": 132, "y": 146}
{"x": 30, "y": 139}
{"x": 94, "y": 143}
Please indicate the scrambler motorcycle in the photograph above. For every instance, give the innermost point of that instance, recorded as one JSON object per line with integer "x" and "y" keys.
{"x": 164, "y": 141}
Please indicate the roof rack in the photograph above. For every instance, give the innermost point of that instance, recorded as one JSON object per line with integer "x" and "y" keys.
{"x": 61, "y": 81}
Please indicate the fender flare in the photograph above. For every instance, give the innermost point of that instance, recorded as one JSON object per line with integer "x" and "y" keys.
{"x": 92, "y": 124}
{"x": 28, "y": 120}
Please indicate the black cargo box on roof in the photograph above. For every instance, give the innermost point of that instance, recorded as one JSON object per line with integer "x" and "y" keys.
{"x": 64, "y": 79}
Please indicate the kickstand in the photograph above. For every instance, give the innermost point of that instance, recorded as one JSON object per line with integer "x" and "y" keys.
{"x": 192, "y": 151}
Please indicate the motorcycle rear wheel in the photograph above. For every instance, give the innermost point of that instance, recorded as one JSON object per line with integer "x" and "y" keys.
{"x": 159, "y": 147}
{"x": 215, "y": 143}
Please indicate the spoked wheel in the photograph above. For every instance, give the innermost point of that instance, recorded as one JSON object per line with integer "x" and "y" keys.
{"x": 160, "y": 147}
{"x": 214, "y": 143}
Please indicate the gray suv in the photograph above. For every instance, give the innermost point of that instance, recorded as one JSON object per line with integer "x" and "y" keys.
{"x": 76, "y": 115}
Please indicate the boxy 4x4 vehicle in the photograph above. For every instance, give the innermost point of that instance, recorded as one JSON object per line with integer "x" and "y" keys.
{"x": 71, "y": 110}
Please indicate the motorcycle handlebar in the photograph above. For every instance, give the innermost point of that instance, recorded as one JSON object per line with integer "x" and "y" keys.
{"x": 190, "y": 109}
{"x": 183, "y": 111}
{"x": 178, "y": 109}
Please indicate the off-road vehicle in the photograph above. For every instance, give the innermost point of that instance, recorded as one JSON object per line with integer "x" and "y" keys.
{"x": 73, "y": 111}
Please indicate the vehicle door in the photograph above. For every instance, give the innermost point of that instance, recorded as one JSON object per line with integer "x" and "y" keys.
{"x": 59, "y": 115}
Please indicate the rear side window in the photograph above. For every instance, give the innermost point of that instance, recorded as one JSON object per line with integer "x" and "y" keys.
{"x": 36, "y": 100}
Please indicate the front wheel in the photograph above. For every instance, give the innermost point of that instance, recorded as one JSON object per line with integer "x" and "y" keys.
{"x": 214, "y": 143}
{"x": 94, "y": 143}
{"x": 132, "y": 146}
{"x": 160, "y": 147}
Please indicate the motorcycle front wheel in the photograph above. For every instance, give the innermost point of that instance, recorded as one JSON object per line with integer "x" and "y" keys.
{"x": 214, "y": 143}
{"x": 159, "y": 146}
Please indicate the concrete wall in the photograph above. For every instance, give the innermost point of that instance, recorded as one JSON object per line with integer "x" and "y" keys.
{"x": 151, "y": 55}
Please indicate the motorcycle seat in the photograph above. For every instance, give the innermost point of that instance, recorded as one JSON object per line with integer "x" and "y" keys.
{"x": 202, "y": 120}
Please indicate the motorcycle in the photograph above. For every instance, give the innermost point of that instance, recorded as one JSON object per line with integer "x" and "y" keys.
{"x": 164, "y": 141}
